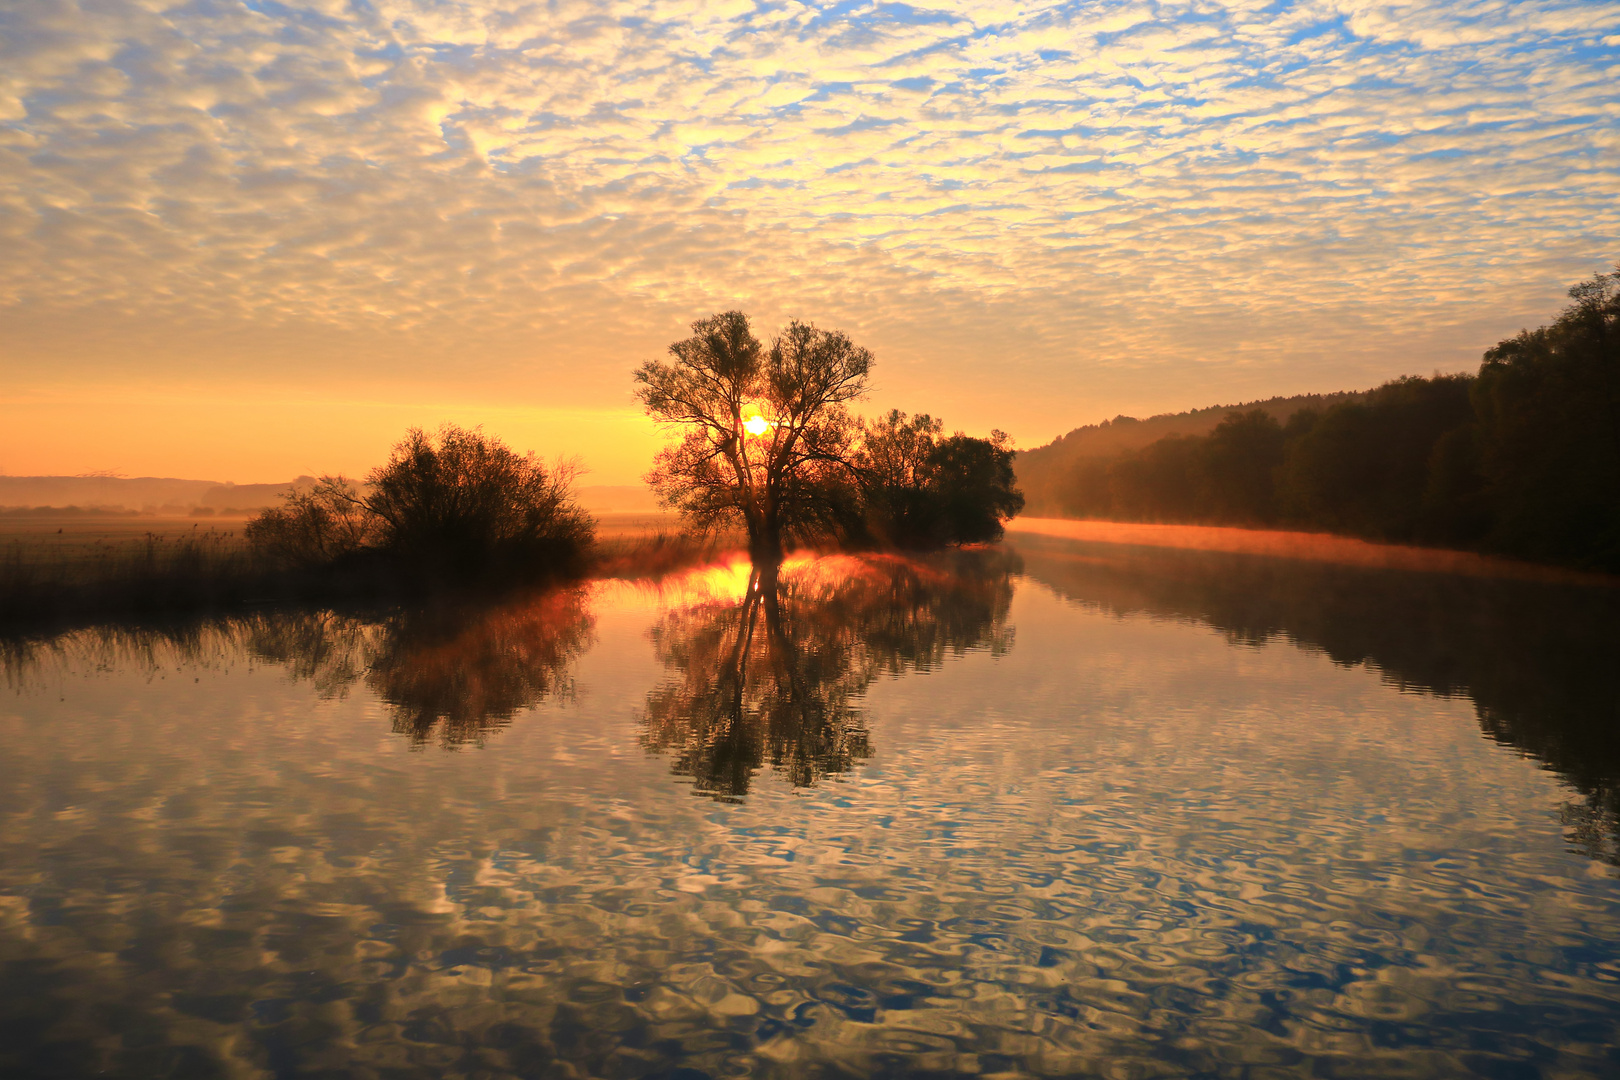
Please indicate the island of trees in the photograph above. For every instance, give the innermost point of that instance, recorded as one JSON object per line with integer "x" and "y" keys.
{"x": 1521, "y": 459}
{"x": 765, "y": 440}
{"x": 764, "y": 443}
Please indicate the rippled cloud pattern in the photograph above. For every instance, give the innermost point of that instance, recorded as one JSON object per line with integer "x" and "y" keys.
{"x": 1124, "y": 181}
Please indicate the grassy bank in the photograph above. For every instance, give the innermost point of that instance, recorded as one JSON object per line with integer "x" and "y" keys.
{"x": 57, "y": 580}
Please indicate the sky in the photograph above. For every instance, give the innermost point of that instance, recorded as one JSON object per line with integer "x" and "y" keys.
{"x": 247, "y": 241}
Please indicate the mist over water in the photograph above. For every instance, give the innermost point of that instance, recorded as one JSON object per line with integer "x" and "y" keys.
{"x": 1066, "y": 809}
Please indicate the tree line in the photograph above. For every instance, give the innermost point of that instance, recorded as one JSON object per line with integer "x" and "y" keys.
{"x": 1522, "y": 458}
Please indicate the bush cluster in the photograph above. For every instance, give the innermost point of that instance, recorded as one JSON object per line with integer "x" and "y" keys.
{"x": 457, "y": 506}
{"x": 919, "y": 488}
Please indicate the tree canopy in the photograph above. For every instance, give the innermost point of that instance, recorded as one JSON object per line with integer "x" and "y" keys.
{"x": 921, "y": 488}
{"x": 764, "y": 433}
{"x": 453, "y": 505}
{"x": 766, "y": 439}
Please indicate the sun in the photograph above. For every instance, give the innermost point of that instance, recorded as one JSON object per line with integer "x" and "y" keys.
{"x": 756, "y": 425}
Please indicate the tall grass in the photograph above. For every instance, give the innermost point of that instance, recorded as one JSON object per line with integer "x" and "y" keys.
{"x": 47, "y": 588}
{"x": 42, "y": 584}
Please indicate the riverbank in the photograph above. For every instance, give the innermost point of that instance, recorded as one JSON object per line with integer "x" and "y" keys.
{"x": 56, "y": 574}
{"x": 1312, "y": 547}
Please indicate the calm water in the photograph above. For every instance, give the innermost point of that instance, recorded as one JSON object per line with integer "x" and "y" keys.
{"x": 1064, "y": 810}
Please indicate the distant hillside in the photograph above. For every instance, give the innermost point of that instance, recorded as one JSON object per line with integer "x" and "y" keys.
{"x": 1042, "y": 470}
{"x": 1520, "y": 458}
{"x": 246, "y": 497}
{"x": 149, "y": 493}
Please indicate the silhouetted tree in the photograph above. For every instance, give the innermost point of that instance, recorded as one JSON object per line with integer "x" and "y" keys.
{"x": 466, "y": 502}
{"x": 975, "y": 487}
{"x": 317, "y": 526}
{"x": 893, "y": 465}
{"x": 1548, "y": 405}
{"x": 458, "y": 505}
{"x": 919, "y": 489}
{"x": 764, "y": 433}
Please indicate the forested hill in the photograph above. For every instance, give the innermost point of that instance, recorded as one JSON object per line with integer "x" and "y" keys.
{"x": 1043, "y": 470}
{"x": 1521, "y": 459}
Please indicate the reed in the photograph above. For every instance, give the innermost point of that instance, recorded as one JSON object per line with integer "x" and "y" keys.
{"x": 51, "y": 587}
{"x": 42, "y": 584}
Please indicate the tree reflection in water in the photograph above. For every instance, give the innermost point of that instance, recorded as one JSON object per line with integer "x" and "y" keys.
{"x": 449, "y": 673}
{"x": 777, "y": 678}
{"x": 1539, "y": 661}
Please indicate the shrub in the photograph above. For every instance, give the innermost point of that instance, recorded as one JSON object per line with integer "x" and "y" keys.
{"x": 316, "y": 527}
{"x": 458, "y": 505}
{"x": 468, "y": 503}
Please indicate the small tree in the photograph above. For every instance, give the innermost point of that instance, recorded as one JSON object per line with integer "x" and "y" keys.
{"x": 975, "y": 486}
{"x": 896, "y": 478}
{"x": 457, "y": 505}
{"x": 764, "y": 433}
{"x": 919, "y": 489}
{"x": 466, "y": 502}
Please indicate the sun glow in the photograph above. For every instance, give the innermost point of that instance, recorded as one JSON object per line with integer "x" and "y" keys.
{"x": 756, "y": 425}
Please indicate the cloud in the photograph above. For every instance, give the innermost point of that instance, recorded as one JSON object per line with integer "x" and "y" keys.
{"x": 1149, "y": 184}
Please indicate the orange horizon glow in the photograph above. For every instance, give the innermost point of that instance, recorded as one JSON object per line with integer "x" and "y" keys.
{"x": 264, "y": 437}
{"x": 293, "y": 243}
{"x": 1307, "y": 546}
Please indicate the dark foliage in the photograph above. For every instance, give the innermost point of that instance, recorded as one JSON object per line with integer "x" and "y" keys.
{"x": 776, "y": 681}
{"x": 1523, "y": 459}
{"x": 457, "y": 507}
{"x": 764, "y": 435}
{"x": 1548, "y": 410}
{"x": 766, "y": 443}
{"x": 919, "y": 489}
{"x": 316, "y": 527}
{"x": 1364, "y": 468}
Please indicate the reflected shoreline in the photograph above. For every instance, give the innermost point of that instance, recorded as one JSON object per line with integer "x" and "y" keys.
{"x": 1539, "y": 661}
{"x": 1117, "y": 847}
{"x": 772, "y": 679}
